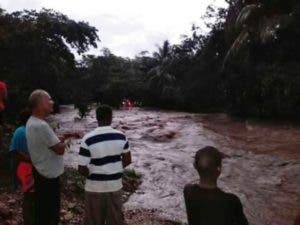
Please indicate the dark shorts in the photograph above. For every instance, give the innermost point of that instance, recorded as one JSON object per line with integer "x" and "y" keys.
{"x": 47, "y": 200}
{"x": 28, "y": 208}
{"x": 103, "y": 208}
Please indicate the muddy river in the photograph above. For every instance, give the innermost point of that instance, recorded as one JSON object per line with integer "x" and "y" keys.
{"x": 262, "y": 165}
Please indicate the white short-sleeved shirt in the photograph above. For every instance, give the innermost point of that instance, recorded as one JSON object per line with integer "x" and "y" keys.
{"x": 101, "y": 151}
{"x": 40, "y": 138}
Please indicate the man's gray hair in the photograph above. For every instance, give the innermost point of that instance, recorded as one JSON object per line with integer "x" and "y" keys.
{"x": 35, "y": 97}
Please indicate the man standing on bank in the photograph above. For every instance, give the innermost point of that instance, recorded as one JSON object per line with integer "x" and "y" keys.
{"x": 104, "y": 152}
{"x": 46, "y": 152}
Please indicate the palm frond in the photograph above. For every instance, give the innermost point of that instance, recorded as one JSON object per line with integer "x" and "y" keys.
{"x": 236, "y": 46}
{"x": 248, "y": 16}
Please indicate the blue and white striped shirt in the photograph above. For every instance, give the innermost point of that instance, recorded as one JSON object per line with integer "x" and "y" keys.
{"x": 101, "y": 151}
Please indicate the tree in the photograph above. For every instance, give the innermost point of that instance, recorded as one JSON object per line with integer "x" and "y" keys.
{"x": 260, "y": 21}
{"x": 260, "y": 69}
{"x": 162, "y": 84}
{"x": 35, "y": 52}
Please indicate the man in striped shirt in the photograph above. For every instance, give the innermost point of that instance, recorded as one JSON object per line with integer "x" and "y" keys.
{"x": 104, "y": 152}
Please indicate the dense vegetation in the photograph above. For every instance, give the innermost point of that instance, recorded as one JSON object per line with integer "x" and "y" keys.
{"x": 247, "y": 65}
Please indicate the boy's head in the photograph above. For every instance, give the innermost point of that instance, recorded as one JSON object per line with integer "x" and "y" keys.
{"x": 208, "y": 162}
{"x": 104, "y": 115}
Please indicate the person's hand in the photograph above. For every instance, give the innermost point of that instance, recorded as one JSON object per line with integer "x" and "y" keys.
{"x": 75, "y": 134}
{"x": 68, "y": 144}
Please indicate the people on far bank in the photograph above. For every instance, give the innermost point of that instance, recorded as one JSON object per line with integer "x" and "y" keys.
{"x": 19, "y": 151}
{"x": 103, "y": 155}
{"x": 46, "y": 153}
{"x": 206, "y": 204}
{"x": 126, "y": 104}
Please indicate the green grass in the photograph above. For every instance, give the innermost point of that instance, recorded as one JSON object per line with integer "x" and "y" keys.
{"x": 131, "y": 173}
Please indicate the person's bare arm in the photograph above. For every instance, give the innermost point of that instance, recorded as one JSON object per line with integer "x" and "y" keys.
{"x": 67, "y": 135}
{"x": 83, "y": 170}
{"x": 126, "y": 159}
{"x": 50, "y": 139}
{"x": 59, "y": 148}
{"x": 21, "y": 156}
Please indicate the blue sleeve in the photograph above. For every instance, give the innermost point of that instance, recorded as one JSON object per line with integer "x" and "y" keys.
{"x": 17, "y": 142}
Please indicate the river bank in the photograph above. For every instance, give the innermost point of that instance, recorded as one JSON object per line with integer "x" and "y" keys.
{"x": 262, "y": 164}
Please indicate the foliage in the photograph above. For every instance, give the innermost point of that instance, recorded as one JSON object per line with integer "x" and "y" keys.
{"x": 131, "y": 173}
{"x": 261, "y": 67}
{"x": 35, "y": 52}
{"x": 247, "y": 64}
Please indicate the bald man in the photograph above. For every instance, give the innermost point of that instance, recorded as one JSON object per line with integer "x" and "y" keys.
{"x": 46, "y": 153}
{"x": 206, "y": 204}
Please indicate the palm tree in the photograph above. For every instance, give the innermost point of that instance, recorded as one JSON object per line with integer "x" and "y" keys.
{"x": 160, "y": 78}
{"x": 163, "y": 52}
{"x": 161, "y": 81}
{"x": 260, "y": 20}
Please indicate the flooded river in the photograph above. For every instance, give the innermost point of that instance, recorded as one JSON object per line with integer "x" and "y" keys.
{"x": 262, "y": 165}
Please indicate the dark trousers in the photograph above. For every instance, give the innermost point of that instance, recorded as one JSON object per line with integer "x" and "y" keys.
{"x": 28, "y": 208}
{"x": 47, "y": 193}
{"x": 13, "y": 164}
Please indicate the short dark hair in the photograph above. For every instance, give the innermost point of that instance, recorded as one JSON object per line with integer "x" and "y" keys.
{"x": 24, "y": 116}
{"x": 207, "y": 160}
{"x": 104, "y": 113}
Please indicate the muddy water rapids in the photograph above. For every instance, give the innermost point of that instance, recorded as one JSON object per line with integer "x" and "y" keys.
{"x": 262, "y": 165}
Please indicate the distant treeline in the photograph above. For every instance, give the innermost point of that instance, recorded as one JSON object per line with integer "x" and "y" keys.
{"x": 247, "y": 65}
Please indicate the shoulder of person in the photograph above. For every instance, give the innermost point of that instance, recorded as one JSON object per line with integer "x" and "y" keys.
{"x": 20, "y": 130}
{"x": 44, "y": 126}
{"x": 189, "y": 188}
{"x": 232, "y": 197}
{"x": 32, "y": 122}
{"x": 119, "y": 132}
{"x": 116, "y": 130}
{"x": 88, "y": 135}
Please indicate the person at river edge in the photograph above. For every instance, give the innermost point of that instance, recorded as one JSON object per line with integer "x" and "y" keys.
{"x": 46, "y": 152}
{"x": 206, "y": 204}
{"x": 19, "y": 149}
{"x": 104, "y": 153}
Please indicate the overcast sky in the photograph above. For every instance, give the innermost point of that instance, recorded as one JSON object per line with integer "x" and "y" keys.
{"x": 127, "y": 27}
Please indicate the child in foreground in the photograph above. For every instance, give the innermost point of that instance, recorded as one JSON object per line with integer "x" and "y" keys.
{"x": 206, "y": 204}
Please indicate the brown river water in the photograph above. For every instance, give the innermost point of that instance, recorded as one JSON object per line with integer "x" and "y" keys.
{"x": 262, "y": 165}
